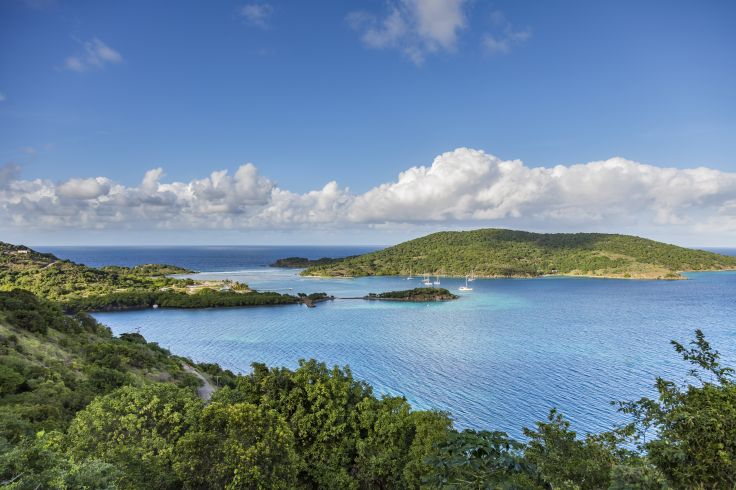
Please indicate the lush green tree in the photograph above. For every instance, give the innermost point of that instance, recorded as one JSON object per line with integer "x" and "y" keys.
{"x": 319, "y": 404}
{"x": 10, "y": 380}
{"x": 694, "y": 427}
{"x": 431, "y": 429}
{"x": 345, "y": 437}
{"x": 40, "y": 463}
{"x": 137, "y": 430}
{"x": 393, "y": 442}
{"x": 637, "y": 474}
{"x": 237, "y": 446}
{"x": 564, "y": 461}
{"x": 481, "y": 460}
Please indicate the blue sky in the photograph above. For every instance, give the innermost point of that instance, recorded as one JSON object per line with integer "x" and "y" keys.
{"x": 312, "y": 92}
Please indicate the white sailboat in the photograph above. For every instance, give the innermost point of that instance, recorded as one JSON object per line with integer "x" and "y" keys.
{"x": 426, "y": 281}
{"x": 409, "y": 278}
{"x": 466, "y": 287}
{"x": 472, "y": 276}
{"x": 437, "y": 281}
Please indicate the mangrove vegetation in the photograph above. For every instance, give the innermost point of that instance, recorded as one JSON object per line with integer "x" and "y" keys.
{"x": 414, "y": 295}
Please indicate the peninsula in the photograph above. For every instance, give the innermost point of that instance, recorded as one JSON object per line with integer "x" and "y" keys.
{"x": 77, "y": 287}
{"x": 508, "y": 253}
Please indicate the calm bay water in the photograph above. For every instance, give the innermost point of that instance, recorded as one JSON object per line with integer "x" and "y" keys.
{"x": 497, "y": 358}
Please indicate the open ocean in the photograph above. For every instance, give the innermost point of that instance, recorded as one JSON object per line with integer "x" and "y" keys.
{"x": 498, "y": 358}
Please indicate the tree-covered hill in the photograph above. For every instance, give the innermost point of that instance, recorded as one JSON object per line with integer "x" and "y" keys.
{"x": 79, "y": 287}
{"x": 508, "y": 253}
{"x": 56, "y": 279}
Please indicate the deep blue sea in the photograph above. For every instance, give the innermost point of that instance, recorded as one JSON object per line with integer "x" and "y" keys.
{"x": 498, "y": 358}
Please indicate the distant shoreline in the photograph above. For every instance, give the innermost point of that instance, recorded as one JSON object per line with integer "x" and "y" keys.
{"x": 679, "y": 277}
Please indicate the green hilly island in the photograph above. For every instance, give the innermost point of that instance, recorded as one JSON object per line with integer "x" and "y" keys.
{"x": 510, "y": 253}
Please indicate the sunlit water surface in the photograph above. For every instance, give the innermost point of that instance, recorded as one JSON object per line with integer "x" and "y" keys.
{"x": 499, "y": 357}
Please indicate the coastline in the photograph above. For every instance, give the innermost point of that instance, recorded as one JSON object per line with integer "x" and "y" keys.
{"x": 640, "y": 277}
{"x": 146, "y": 307}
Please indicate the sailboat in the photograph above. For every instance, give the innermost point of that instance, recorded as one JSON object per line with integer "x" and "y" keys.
{"x": 409, "y": 278}
{"x": 466, "y": 287}
{"x": 471, "y": 278}
{"x": 426, "y": 281}
{"x": 437, "y": 281}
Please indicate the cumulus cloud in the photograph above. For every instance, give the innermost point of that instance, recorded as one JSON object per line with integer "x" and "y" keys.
{"x": 503, "y": 36}
{"x": 414, "y": 27}
{"x": 84, "y": 188}
{"x": 464, "y": 187}
{"x": 96, "y": 55}
{"x": 257, "y": 14}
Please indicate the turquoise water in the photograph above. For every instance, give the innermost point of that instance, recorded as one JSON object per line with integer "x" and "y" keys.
{"x": 499, "y": 357}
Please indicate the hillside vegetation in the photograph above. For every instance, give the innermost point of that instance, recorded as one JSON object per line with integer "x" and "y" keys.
{"x": 81, "y": 288}
{"x": 60, "y": 280}
{"x": 508, "y": 253}
{"x": 53, "y": 364}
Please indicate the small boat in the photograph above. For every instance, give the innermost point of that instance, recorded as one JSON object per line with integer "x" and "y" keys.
{"x": 409, "y": 278}
{"x": 466, "y": 287}
{"x": 437, "y": 281}
{"x": 426, "y": 281}
{"x": 472, "y": 276}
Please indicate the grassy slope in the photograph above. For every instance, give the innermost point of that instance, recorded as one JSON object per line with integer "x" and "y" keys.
{"x": 496, "y": 252}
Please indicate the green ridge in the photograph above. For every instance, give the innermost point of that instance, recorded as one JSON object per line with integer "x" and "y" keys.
{"x": 508, "y": 253}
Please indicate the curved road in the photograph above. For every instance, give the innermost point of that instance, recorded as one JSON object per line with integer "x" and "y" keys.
{"x": 205, "y": 391}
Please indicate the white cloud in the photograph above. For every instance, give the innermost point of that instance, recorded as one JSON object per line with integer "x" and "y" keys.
{"x": 96, "y": 55}
{"x": 414, "y": 27}
{"x": 503, "y": 37}
{"x": 84, "y": 188}
{"x": 461, "y": 188}
{"x": 257, "y": 14}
